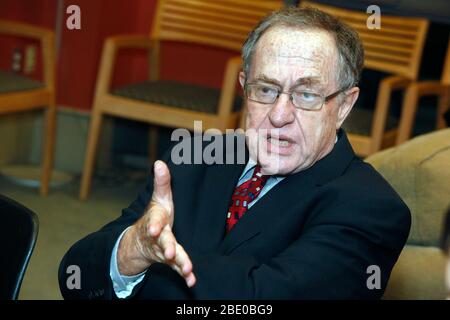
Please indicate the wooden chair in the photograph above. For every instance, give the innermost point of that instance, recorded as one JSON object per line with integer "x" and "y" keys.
{"x": 19, "y": 93}
{"x": 396, "y": 48}
{"x": 221, "y": 24}
{"x": 416, "y": 90}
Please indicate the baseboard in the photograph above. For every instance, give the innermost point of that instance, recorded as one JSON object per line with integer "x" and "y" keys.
{"x": 25, "y": 145}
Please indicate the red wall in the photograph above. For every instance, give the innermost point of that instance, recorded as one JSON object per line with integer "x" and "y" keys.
{"x": 40, "y": 13}
{"x": 80, "y": 50}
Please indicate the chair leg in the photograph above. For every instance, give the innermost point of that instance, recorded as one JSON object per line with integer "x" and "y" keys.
{"x": 48, "y": 151}
{"x": 93, "y": 138}
{"x": 443, "y": 106}
{"x": 408, "y": 115}
{"x": 380, "y": 116}
{"x": 153, "y": 137}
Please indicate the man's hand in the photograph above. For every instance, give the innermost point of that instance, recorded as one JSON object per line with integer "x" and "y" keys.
{"x": 151, "y": 238}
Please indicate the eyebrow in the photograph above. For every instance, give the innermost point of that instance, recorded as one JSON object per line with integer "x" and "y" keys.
{"x": 307, "y": 81}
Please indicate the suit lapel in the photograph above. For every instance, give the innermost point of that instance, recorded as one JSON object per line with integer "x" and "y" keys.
{"x": 215, "y": 195}
{"x": 272, "y": 205}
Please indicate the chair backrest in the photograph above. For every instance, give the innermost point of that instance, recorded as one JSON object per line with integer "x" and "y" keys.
{"x": 47, "y": 40}
{"x": 219, "y": 23}
{"x": 395, "y": 48}
{"x": 19, "y": 230}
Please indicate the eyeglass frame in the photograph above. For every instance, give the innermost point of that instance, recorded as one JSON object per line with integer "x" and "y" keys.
{"x": 291, "y": 96}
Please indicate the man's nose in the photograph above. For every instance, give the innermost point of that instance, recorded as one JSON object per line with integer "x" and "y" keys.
{"x": 282, "y": 112}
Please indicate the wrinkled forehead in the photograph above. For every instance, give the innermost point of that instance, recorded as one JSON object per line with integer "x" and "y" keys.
{"x": 304, "y": 51}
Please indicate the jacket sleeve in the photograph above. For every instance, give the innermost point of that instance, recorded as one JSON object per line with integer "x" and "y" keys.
{"x": 92, "y": 255}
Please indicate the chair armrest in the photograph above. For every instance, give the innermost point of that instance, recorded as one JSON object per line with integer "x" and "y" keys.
{"x": 24, "y": 30}
{"x": 410, "y": 104}
{"x": 130, "y": 41}
{"x": 233, "y": 67}
{"x": 109, "y": 52}
{"x": 387, "y": 85}
{"x": 394, "y": 83}
{"x": 47, "y": 40}
{"x": 432, "y": 88}
{"x": 428, "y": 88}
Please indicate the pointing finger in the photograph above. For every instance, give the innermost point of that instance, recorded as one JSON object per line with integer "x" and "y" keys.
{"x": 162, "y": 191}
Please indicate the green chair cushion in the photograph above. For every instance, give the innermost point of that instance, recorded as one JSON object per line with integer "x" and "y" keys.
{"x": 418, "y": 274}
{"x": 175, "y": 94}
{"x": 11, "y": 82}
{"x": 419, "y": 170}
{"x": 359, "y": 121}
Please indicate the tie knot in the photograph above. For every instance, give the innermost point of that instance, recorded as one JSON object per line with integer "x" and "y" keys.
{"x": 257, "y": 173}
{"x": 244, "y": 195}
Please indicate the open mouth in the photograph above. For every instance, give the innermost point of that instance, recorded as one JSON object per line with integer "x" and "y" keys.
{"x": 281, "y": 145}
{"x": 279, "y": 142}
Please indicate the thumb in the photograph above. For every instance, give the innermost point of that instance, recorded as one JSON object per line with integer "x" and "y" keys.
{"x": 162, "y": 191}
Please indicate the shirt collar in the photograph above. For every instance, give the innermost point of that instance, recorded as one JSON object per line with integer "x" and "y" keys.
{"x": 250, "y": 166}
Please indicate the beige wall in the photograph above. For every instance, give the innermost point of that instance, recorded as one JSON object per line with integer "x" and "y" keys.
{"x": 21, "y": 136}
{"x": 10, "y": 132}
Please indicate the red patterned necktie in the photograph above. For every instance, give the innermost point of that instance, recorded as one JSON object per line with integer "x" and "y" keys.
{"x": 243, "y": 195}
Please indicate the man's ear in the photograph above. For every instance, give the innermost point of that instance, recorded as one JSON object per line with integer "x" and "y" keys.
{"x": 243, "y": 120}
{"x": 242, "y": 79}
{"x": 346, "y": 106}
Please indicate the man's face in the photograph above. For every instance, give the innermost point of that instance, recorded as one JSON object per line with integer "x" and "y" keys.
{"x": 295, "y": 139}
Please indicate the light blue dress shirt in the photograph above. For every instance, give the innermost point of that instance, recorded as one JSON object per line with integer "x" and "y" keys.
{"x": 123, "y": 285}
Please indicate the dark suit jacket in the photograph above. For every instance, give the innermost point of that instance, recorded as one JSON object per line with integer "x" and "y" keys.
{"x": 313, "y": 236}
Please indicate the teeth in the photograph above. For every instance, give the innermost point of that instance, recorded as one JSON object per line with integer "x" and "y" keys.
{"x": 282, "y": 143}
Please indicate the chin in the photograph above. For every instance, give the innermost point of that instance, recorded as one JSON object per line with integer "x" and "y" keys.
{"x": 276, "y": 166}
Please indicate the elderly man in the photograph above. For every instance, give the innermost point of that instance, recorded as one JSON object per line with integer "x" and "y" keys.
{"x": 303, "y": 218}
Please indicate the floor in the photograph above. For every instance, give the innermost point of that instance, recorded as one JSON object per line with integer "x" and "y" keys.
{"x": 63, "y": 219}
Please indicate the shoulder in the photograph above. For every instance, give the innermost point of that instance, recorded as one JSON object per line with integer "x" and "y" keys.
{"x": 363, "y": 179}
{"x": 363, "y": 198}
{"x": 361, "y": 195}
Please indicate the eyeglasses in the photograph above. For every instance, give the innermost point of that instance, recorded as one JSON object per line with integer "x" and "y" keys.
{"x": 301, "y": 99}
